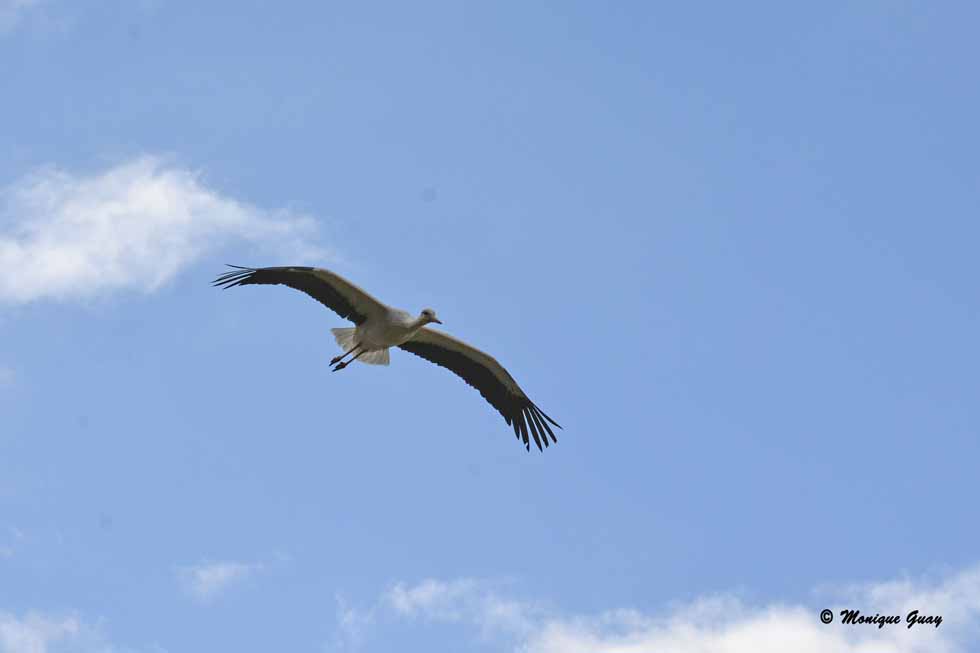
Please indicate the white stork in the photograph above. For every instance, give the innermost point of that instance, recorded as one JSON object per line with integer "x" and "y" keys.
{"x": 379, "y": 327}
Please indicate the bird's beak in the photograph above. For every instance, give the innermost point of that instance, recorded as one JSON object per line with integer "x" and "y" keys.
{"x": 437, "y": 321}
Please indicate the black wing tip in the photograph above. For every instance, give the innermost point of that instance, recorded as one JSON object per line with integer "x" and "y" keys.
{"x": 542, "y": 427}
{"x": 529, "y": 424}
{"x": 545, "y": 415}
{"x": 240, "y": 274}
{"x": 236, "y": 277}
{"x": 536, "y": 429}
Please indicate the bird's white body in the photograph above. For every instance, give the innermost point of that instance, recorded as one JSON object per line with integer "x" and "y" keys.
{"x": 375, "y": 336}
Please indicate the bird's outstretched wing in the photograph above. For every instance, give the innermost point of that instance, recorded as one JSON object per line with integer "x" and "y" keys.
{"x": 331, "y": 290}
{"x": 484, "y": 373}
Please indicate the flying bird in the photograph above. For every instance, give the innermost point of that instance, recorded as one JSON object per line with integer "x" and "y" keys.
{"x": 378, "y": 327}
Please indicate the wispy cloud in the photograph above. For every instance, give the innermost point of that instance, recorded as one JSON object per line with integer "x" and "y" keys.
{"x": 11, "y": 12}
{"x": 205, "y": 582}
{"x": 132, "y": 226}
{"x": 36, "y": 633}
{"x": 7, "y": 543}
{"x": 723, "y": 624}
{"x": 468, "y": 601}
{"x": 352, "y": 624}
{"x": 464, "y": 600}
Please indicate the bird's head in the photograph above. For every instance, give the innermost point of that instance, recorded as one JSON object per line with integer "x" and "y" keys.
{"x": 429, "y": 315}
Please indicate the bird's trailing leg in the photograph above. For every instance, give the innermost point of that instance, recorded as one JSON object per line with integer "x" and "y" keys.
{"x": 337, "y": 359}
{"x": 341, "y": 366}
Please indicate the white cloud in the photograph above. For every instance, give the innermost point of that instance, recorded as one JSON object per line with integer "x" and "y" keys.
{"x": 206, "y": 581}
{"x": 11, "y": 12}
{"x": 7, "y": 549}
{"x": 352, "y": 624}
{"x": 463, "y": 600}
{"x": 716, "y": 624}
{"x": 133, "y": 226}
{"x": 35, "y": 633}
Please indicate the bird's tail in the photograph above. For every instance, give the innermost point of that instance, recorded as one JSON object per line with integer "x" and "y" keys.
{"x": 376, "y": 357}
{"x": 344, "y": 337}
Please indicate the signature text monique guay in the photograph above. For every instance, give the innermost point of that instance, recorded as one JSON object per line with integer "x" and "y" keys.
{"x": 913, "y": 618}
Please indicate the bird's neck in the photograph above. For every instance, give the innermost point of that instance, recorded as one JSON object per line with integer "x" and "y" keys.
{"x": 418, "y": 323}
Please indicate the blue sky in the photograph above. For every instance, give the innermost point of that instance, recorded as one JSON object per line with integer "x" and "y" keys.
{"x": 732, "y": 250}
